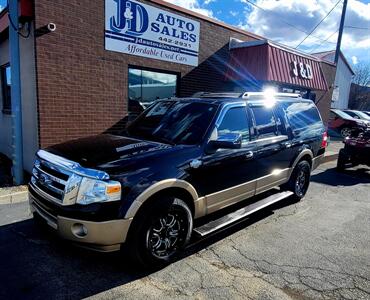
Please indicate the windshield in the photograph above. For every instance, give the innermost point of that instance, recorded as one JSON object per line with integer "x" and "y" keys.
{"x": 362, "y": 115}
{"x": 174, "y": 122}
{"x": 343, "y": 114}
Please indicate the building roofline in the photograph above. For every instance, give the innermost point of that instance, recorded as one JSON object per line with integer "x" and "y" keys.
{"x": 205, "y": 18}
{"x": 341, "y": 55}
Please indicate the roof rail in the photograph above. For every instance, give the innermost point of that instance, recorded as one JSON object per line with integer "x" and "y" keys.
{"x": 218, "y": 95}
{"x": 248, "y": 95}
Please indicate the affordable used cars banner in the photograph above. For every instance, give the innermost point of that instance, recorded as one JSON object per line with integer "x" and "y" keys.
{"x": 135, "y": 28}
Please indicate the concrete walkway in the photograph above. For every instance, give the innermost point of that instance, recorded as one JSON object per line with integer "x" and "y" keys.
{"x": 15, "y": 194}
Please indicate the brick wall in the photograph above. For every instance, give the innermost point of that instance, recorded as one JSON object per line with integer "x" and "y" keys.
{"x": 82, "y": 88}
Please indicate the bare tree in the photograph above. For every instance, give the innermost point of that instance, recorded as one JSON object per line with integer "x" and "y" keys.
{"x": 360, "y": 85}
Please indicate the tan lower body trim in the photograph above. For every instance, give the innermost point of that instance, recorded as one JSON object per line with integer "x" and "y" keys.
{"x": 277, "y": 177}
{"x": 230, "y": 196}
{"x": 316, "y": 161}
{"x": 98, "y": 233}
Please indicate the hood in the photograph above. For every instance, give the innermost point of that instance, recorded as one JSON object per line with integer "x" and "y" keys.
{"x": 93, "y": 151}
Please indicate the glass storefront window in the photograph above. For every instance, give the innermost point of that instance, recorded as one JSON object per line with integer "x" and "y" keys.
{"x": 144, "y": 87}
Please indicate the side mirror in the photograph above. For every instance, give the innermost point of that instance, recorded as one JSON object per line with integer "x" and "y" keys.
{"x": 227, "y": 141}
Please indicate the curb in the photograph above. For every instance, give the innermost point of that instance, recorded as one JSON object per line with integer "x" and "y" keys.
{"x": 14, "y": 198}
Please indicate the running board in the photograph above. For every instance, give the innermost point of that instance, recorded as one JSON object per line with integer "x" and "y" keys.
{"x": 240, "y": 214}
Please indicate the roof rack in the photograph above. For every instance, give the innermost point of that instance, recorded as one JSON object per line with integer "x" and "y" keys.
{"x": 244, "y": 95}
{"x": 248, "y": 95}
{"x": 218, "y": 95}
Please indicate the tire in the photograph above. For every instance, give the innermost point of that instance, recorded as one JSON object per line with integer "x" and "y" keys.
{"x": 299, "y": 181}
{"x": 345, "y": 131}
{"x": 159, "y": 232}
{"x": 342, "y": 160}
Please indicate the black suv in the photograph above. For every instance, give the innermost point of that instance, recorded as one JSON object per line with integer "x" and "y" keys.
{"x": 179, "y": 161}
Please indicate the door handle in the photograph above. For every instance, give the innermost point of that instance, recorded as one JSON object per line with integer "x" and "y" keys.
{"x": 249, "y": 154}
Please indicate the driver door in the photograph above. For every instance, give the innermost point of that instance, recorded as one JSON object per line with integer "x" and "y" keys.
{"x": 228, "y": 175}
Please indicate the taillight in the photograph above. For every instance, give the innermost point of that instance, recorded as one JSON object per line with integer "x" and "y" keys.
{"x": 324, "y": 142}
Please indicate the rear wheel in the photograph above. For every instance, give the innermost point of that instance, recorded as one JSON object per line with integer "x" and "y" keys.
{"x": 345, "y": 131}
{"x": 160, "y": 232}
{"x": 299, "y": 180}
{"x": 342, "y": 160}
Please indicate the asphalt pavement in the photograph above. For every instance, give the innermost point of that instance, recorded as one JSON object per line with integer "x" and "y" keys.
{"x": 318, "y": 248}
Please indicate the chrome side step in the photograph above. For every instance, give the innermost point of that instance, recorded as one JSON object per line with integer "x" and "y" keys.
{"x": 240, "y": 214}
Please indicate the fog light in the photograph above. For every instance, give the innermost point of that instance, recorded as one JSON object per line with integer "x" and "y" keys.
{"x": 79, "y": 230}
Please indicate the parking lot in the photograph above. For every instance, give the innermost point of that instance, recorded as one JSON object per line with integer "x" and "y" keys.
{"x": 315, "y": 249}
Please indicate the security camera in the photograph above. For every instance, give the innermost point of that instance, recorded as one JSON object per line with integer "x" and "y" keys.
{"x": 51, "y": 27}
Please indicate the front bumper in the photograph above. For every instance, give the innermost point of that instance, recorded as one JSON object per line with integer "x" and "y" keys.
{"x": 103, "y": 236}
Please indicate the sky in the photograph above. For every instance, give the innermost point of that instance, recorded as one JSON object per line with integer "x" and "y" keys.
{"x": 289, "y": 22}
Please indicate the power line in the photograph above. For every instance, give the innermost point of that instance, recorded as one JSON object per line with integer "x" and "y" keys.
{"x": 356, "y": 27}
{"x": 324, "y": 41}
{"x": 318, "y": 24}
{"x": 282, "y": 20}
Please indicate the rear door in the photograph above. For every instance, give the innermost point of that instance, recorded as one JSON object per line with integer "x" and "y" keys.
{"x": 273, "y": 146}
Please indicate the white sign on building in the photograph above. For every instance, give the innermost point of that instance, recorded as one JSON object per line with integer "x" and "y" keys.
{"x": 138, "y": 29}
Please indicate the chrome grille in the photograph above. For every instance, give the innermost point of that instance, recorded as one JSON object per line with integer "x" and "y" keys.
{"x": 57, "y": 179}
{"x": 50, "y": 179}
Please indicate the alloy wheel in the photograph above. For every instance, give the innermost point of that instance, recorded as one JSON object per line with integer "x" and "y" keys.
{"x": 166, "y": 234}
{"x": 301, "y": 183}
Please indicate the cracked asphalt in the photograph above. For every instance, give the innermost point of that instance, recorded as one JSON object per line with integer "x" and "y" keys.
{"x": 318, "y": 248}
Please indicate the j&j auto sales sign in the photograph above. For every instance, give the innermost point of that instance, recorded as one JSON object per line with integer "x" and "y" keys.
{"x": 138, "y": 29}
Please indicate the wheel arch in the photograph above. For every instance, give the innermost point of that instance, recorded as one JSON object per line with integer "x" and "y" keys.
{"x": 174, "y": 187}
{"x": 305, "y": 154}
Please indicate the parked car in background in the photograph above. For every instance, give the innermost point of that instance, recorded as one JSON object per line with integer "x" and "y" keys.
{"x": 357, "y": 114}
{"x": 367, "y": 113}
{"x": 356, "y": 150}
{"x": 182, "y": 159}
{"x": 342, "y": 123}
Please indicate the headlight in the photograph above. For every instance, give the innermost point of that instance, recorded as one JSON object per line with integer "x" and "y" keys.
{"x": 92, "y": 191}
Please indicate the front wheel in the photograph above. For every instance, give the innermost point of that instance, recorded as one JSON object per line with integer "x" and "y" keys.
{"x": 160, "y": 231}
{"x": 299, "y": 180}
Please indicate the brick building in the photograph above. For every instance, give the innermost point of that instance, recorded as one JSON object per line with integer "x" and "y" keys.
{"x": 108, "y": 57}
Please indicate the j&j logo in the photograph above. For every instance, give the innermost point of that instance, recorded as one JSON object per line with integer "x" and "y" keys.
{"x": 131, "y": 17}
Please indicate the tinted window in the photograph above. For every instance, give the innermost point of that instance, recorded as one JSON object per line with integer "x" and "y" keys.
{"x": 303, "y": 117}
{"x": 235, "y": 121}
{"x": 174, "y": 122}
{"x": 265, "y": 121}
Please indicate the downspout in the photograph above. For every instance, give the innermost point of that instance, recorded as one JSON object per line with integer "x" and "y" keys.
{"x": 16, "y": 94}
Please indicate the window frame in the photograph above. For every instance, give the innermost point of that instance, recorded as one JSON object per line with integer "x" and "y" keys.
{"x": 222, "y": 114}
{"x": 6, "y": 101}
{"x": 162, "y": 71}
{"x": 257, "y": 135}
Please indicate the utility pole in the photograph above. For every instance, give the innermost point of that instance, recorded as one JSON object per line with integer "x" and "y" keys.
{"x": 15, "y": 90}
{"x": 339, "y": 41}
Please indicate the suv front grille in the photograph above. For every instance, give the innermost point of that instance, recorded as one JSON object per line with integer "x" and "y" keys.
{"x": 57, "y": 179}
{"x": 50, "y": 179}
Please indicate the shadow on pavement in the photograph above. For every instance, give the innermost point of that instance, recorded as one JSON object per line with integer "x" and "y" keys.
{"x": 348, "y": 177}
{"x": 35, "y": 263}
